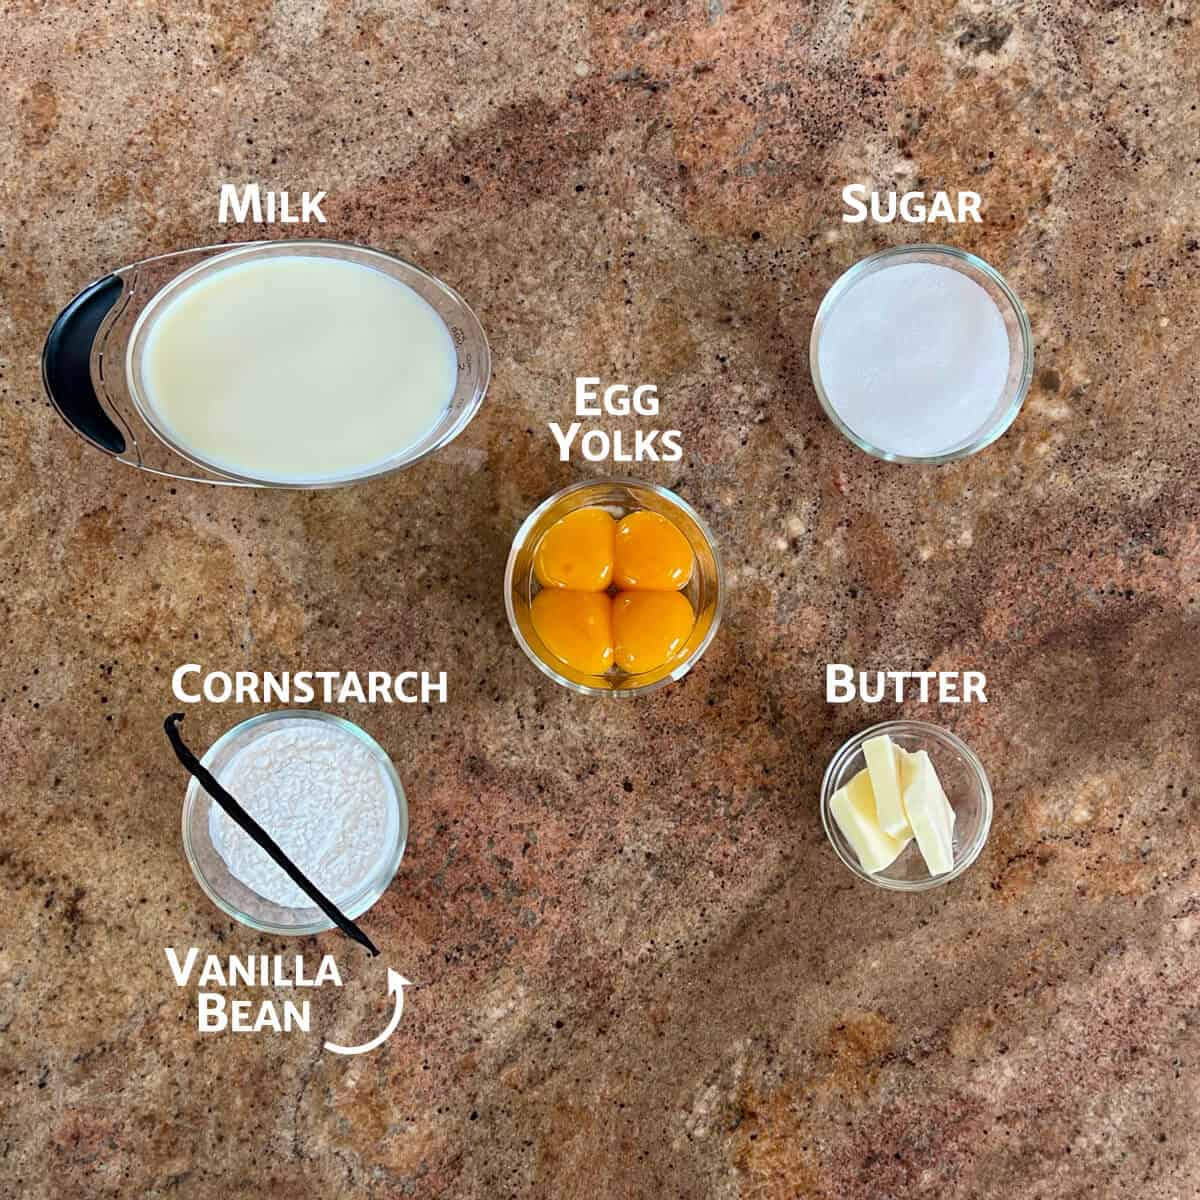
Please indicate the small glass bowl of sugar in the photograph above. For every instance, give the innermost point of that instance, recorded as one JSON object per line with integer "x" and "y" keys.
{"x": 326, "y": 793}
{"x": 921, "y": 354}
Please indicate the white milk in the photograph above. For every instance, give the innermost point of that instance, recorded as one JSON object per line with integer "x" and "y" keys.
{"x": 914, "y": 359}
{"x": 298, "y": 369}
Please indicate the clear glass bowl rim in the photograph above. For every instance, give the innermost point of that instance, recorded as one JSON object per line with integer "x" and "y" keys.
{"x": 848, "y": 278}
{"x": 924, "y": 729}
{"x": 522, "y": 536}
{"x": 268, "y": 248}
{"x": 372, "y": 890}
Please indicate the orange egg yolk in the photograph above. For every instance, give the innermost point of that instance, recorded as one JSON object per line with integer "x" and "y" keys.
{"x": 577, "y": 552}
{"x": 649, "y": 628}
{"x": 576, "y": 627}
{"x": 651, "y": 554}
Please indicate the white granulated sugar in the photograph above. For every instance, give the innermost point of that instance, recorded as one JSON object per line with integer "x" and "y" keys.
{"x": 324, "y": 798}
{"x": 914, "y": 359}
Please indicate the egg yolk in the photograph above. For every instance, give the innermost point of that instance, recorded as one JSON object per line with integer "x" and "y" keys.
{"x": 649, "y": 628}
{"x": 651, "y": 554}
{"x": 577, "y": 552}
{"x": 576, "y": 627}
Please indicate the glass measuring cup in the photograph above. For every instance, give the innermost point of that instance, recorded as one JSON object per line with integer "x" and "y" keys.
{"x": 92, "y": 362}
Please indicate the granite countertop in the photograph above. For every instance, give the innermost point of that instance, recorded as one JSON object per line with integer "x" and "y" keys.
{"x": 642, "y": 971}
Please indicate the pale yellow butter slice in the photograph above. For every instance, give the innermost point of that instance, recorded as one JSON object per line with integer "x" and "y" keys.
{"x": 883, "y": 764}
{"x": 907, "y": 764}
{"x": 853, "y": 808}
{"x": 929, "y": 813}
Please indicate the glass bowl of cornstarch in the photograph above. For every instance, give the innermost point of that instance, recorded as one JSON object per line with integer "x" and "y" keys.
{"x": 328, "y": 795}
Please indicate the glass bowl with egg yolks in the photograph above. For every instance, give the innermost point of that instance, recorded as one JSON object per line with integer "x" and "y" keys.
{"x": 614, "y": 587}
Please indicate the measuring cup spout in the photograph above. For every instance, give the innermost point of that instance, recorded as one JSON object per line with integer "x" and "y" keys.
{"x": 66, "y": 365}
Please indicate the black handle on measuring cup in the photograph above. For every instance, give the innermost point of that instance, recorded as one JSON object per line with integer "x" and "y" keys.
{"x": 67, "y": 364}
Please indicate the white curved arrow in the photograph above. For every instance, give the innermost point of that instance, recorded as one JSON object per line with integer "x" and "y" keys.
{"x": 396, "y": 983}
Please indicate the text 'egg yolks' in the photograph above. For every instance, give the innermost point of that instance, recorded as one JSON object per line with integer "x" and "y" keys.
{"x": 576, "y": 628}
{"x": 649, "y": 628}
{"x": 577, "y": 552}
{"x": 651, "y": 553}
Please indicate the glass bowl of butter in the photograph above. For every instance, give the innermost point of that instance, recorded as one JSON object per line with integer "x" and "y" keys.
{"x": 906, "y": 805}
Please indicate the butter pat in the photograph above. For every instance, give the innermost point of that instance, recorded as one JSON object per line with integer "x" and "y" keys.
{"x": 906, "y": 765}
{"x": 929, "y": 813}
{"x": 883, "y": 764}
{"x": 853, "y": 808}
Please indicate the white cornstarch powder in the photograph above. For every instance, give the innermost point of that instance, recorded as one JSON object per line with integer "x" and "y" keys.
{"x": 914, "y": 359}
{"x": 324, "y": 798}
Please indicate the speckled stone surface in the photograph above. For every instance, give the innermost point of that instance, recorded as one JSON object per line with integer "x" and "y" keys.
{"x": 642, "y": 971}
